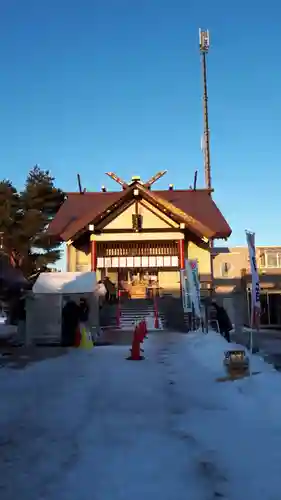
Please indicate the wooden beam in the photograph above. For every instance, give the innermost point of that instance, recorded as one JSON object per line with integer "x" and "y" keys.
{"x": 155, "y": 178}
{"x": 117, "y": 179}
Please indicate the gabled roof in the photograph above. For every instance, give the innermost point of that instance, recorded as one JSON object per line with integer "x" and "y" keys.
{"x": 194, "y": 207}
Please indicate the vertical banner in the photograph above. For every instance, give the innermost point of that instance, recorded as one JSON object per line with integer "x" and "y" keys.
{"x": 194, "y": 284}
{"x": 184, "y": 291}
{"x": 256, "y": 305}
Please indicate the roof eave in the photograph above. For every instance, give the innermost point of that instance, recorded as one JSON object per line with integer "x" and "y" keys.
{"x": 222, "y": 235}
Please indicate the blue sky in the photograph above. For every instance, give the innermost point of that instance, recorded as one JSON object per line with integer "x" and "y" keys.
{"x": 98, "y": 85}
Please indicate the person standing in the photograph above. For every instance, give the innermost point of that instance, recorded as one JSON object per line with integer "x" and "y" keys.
{"x": 84, "y": 315}
{"x": 84, "y": 310}
{"x": 223, "y": 320}
{"x": 110, "y": 290}
{"x": 70, "y": 322}
{"x": 101, "y": 292}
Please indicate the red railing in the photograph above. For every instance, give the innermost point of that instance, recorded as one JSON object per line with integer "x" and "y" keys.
{"x": 118, "y": 310}
{"x": 156, "y": 312}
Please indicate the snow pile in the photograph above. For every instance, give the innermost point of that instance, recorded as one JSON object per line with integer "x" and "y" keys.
{"x": 150, "y": 323}
{"x": 237, "y": 421}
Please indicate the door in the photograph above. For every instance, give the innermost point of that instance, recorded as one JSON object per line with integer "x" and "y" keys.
{"x": 274, "y": 303}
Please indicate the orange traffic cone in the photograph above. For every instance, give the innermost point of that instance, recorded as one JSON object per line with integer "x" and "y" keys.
{"x": 135, "y": 349}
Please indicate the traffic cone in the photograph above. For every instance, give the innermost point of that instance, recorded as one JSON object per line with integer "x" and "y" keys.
{"x": 86, "y": 339}
{"x": 135, "y": 349}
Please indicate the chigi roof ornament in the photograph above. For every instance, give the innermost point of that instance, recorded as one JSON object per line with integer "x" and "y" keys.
{"x": 136, "y": 178}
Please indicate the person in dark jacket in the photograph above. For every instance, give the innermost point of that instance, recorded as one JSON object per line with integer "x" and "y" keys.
{"x": 110, "y": 290}
{"x": 84, "y": 310}
{"x": 70, "y": 322}
{"x": 223, "y": 320}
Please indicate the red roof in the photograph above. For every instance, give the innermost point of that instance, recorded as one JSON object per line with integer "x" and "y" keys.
{"x": 79, "y": 209}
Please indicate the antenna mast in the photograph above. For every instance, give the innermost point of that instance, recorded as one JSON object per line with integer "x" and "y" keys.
{"x": 204, "y": 44}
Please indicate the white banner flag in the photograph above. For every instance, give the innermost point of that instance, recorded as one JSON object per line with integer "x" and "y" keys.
{"x": 256, "y": 305}
{"x": 184, "y": 291}
{"x": 194, "y": 284}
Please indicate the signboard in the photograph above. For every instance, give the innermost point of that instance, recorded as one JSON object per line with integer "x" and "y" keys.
{"x": 256, "y": 305}
{"x": 167, "y": 261}
{"x": 107, "y": 262}
{"x": 184, "y": 291}
{"x": 137, "y": 262}
{"x": 144, "y": 262}
{"x": 174, "y": 261}
{"x": 192, "y": 274}
{"x": 130, "y": 261}
{"x": 152, "y": 261}
{"x": 159, "y": 261}
{"x": 115, "y": 262}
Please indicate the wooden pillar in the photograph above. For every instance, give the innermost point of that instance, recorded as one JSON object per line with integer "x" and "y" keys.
{"x": 68, "y": 257}
{"x": 181, "y": 254}
{"x": 93, "y": 255}
{"x": 71, "y": 258}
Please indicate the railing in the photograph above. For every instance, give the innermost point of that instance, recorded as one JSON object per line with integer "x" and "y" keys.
{"x": 118, "y": 309}
{"x": 156, "y": 312}
{"x": 134, "y": 249}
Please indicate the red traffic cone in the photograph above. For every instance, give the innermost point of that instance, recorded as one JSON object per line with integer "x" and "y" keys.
{"x": 135, "y": 349}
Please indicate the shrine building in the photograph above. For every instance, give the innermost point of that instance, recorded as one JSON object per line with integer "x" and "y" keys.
{"x": 138, "y": 235}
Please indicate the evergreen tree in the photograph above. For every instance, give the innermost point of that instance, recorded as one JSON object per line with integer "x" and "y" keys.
{"x": 40, "y": 201}
{"x": 9, "y": 216}
{"x": 24, "y": 219}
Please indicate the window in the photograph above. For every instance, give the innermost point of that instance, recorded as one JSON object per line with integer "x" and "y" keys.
{"x": 262, "y": 260}
{"x": 270, "y": 259}
{"x": 225, "y": 268}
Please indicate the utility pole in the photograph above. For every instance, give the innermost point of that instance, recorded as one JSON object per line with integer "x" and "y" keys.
{"x": 204, "y": 44}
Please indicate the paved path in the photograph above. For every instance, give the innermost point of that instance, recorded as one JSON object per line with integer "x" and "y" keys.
{"x": 94, "y": 426}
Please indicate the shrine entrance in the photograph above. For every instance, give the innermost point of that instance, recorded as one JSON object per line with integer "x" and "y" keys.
{"x": 139, "y": 282}
{"x": 137, "y": 265}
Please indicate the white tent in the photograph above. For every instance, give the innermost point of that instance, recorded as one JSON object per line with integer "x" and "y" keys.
{"x": 43, "y": 318}
{"x": 65, "y": 283}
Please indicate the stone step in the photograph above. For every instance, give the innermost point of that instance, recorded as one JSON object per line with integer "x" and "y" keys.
{"x": 138, "y": 314}
{"x": 131, "y": 313}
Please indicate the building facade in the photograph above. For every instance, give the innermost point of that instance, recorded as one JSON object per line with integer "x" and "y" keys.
{"x": 232, "y": 277}
{"x": 139, "y": 237}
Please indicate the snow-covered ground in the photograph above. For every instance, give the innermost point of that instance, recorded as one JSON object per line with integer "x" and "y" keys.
{"x": 92, "y": 425}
